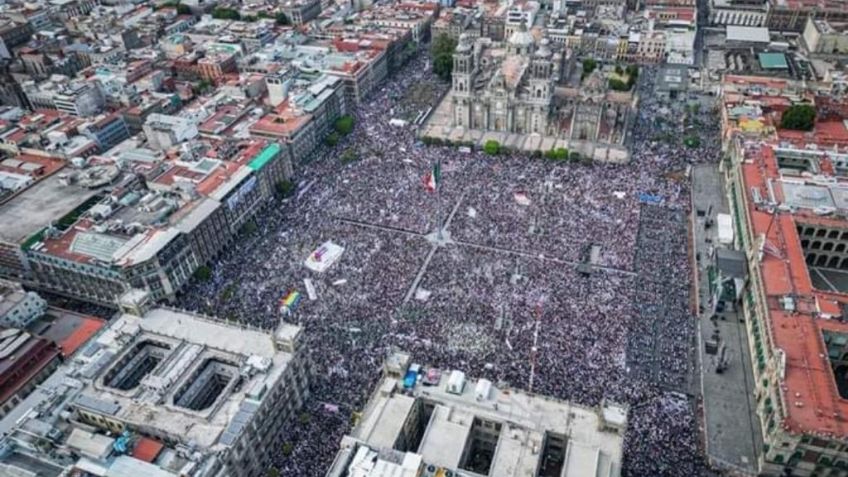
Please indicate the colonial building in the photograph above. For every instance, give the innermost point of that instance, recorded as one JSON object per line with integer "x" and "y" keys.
{"x": 531, "y": 94}
{"x": 505, "y": 88}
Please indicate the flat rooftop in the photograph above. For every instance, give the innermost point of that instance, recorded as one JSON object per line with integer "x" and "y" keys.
{"x": 34, "y": 208}
{"x": 188, "y": 345}
{"x": 525, "y": 421}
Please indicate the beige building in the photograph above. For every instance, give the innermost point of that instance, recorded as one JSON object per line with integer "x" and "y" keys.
{"x": 822, "y": 37}
{"x": 505, "y": 88}
{"x": 443, "y": 424}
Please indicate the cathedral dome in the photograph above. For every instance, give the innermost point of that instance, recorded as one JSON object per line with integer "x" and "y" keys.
{"x": 544, "y": 48}
{"x": 521, "y": 38}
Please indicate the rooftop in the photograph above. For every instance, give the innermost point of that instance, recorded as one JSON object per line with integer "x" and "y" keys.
{"x": 748, "y": 34}
{"x": 807, "y": 388}
{"x": 33, "y": 209}
{"x": 183, "y": 345}
{"x": 450, "y": 420}
{"x": 773, "y": 61}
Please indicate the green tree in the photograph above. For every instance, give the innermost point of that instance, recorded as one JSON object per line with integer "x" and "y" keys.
{"x": 249, "y": 227}
{"x": 332, "y": 139}
{"x": 558, "y": 154}
{"x": 348, "y": 156}
{"x": 226, "y": 14}
{"x": 799, "y": 117}
{"x": 202, "y": 86}
{"x": 344, "y": 125}
{"x": 287, "y": 449}
{"x": 616, "y": 84}
{"x": 273, "y": 472}
{"x": 574, "y": 156}
{"x": 282, "y": 19}
{"x": 442, "y": 52}
{"x": 284, "y": 188}
{"x": 203, "y": 273}
{"x": 589, "y": 65}
{"x": 183, "y": 9}
{"x": 492, "y": 147}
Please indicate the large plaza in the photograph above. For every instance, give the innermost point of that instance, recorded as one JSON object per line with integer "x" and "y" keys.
{"x": 537, "y": 281}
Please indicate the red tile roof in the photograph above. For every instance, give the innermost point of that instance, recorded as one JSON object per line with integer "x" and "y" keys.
{"x": 808, "y": 389}
{"x": 88, "y": 328}
{"x": 147, "y": 449}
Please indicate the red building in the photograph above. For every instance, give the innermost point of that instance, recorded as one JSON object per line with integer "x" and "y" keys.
{"x": 25, "y": 361}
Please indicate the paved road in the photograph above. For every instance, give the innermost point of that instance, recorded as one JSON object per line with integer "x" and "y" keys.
{"x": 733, "y": 432}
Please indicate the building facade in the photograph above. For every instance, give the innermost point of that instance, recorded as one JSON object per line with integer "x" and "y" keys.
{"x": 515, "y": 95}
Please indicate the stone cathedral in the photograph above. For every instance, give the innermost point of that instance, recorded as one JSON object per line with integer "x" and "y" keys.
{"x": 526, "y": 86}
{"x": 507, "y": 87}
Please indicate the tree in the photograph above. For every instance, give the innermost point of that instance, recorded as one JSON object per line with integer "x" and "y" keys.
{"x": 348, "y": 156}
{"x": 442, "y": 52}
{"x": 344, "y": 125}
{"x": 282, "y": 19}
{"x": 574, "y": 156}
{"x": 589, "y": 65}
{"x": 183, "y": 9}
{"x": 249, "y": 227}
{"x": 203, "y": 273}
{"x": 273, "y": 472}
{"x": 492, "y": 147}
{"x": 332, "y": 139}
{"x": 285, "y": 188}
{"x": 799, "y": 117}
{"x": 616, "y": 84}
{"x": 226, "y": 14}
{"x": 287, "y": 449}
{"x": 558, "y": 154}
{"x": 202, "y": 86}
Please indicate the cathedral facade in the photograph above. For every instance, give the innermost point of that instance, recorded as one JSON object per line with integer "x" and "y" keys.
{"x": 505, "y": 87}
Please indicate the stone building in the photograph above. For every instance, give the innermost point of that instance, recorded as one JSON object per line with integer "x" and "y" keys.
{"x": 530, "y": 94}
{"x": 505, "y": 88}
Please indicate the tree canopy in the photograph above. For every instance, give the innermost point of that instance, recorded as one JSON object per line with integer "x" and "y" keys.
{"x": 800, "y": 117}
{"x": 442, "y": 51}
{"x": 589, "y": 65}
{"x": 226, "y": 14}
{"x": 492, "y": 147}
{"x": 558, "y": 154}
{"x": 344, "y": 125}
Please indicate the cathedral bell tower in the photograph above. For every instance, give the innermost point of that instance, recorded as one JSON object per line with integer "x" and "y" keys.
{"x": 462, "y": 76}
{"x": 541, "y": 87}
{"x": 541, "y": 72}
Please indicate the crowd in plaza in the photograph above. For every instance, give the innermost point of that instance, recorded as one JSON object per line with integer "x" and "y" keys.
{"x": 506, "y": 282}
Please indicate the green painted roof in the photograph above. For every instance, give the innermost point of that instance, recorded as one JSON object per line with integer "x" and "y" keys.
{"x": 264, "y": 157}
{"x": 773, "y": 61}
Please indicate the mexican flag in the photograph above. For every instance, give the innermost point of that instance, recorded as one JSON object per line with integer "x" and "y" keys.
{"x": 433, "y": 178}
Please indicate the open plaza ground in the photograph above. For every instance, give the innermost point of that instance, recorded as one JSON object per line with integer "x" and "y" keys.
{"x": 510, "y": 274}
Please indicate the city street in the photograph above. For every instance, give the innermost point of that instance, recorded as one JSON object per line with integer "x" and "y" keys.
{"x": 732, "y": 429}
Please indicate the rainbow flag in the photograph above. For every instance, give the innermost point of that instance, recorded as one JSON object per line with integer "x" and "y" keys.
{"x": 289, "y": 302}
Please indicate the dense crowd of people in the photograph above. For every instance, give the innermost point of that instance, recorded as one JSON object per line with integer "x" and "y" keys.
{"x": 518, "y": 226}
